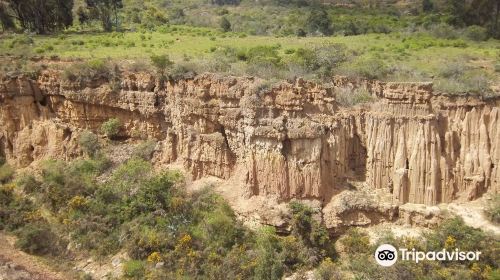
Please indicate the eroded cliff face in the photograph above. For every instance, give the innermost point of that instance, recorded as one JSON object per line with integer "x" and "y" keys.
{"x": 291, "y": 141}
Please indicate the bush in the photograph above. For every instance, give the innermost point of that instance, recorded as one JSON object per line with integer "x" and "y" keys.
{"x": 356, "y": 242}
{"x": 28, "y": 183}
{"x": 145, "y": 150}
{"x": 328, "y": 271}
{"x": 321, "y": 60}
{"x": 144, "y": 241}
{"x": 6, "y": 173}
{"x": 111, "y": 128}
{"x": 454, "y": 69}
{"x": 161, "y": 63}
{"x": 89, "y": 142}
{"x": 61, "y": 182}
{"x": 134, "y": 269}
{"x": 262, "y": 54}
{"x": 473, "y": 82}
{"x": 311, "y": 232}
{"x": 369, "y": 68}
{"x": 453, "y": 233}
{"x": 37, "y": 239}
{"x": 15, "y": 211}
{"x": 225, "y": 25}
{"x": 86, "y": 72}
{"x": 21, "y": 41}
{"x": 444, "y": 31}
{"x": 476, "y": 33}
{"x": 350, "y": 97}
{"x": 131, "y": 175}
{"x": 319, "y": 22}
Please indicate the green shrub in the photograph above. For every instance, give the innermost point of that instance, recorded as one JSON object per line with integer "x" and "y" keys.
{"x": 268, "y": 265}
{"x": 15, "y": 211}
{"x": 145, "y": 150}
{"x": 111, "y": 128}
{"x": 453, "y": 69}
{"x": 225, "y": 25}
{"x": 460, "y": 82}
{"x": 310, "y": 231}
{"x": 2, "y": 161}
{"x": 476, "y": 33}
{"x": 369, "y": 68}
{"x": 476, "y": 82}
{"x": 6, "y": 173}
{"x": 356, "y": 242}
{"x": 20, "y": 41}
{"x": 221, "y": 227}
{"x": 161, "y": 63}
{"x": 134, "y": 269}
{"x": 89, "y": 142}
{"x": 131, "y": 175}
{"x": 444, "y": 31}
{"x": 350, "y": 97}
{"x": 6, "y": 195}
{"x": 327, "y": 270}
{"x": 28, "y": 183}
{"x": 61, "y": 182}
{"x": 466, "y": 238}
{"x": 144, "y": 240}
{"x": 86, "y": 72}
{"x": 37, "y": 239}
{"x": 321, "y": 60}
{"x": 263, "y": 54}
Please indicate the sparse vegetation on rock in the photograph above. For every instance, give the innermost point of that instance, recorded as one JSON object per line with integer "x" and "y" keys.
{"x": 111, "y": 128}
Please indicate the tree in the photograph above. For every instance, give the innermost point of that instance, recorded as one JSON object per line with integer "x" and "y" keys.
{"x": 111, "y": 128}
{"x": 5, "y": 19}
{"x": 456, "y": 9}
{"x": 42, "y": 16}
{"x": 105, "y": 10}
{"x": 319, "y": 21}
{"x": 161, "y": 63}
{"x": 476, "y": 12}
{"x": 83, "y": 16}
{"x": 89, "y": 142}
{"x": 427, "y": 5}
{"x": 225, "y": 24}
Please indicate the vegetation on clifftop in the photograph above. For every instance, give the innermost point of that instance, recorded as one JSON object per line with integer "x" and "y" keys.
{"x": 418, "y": 41}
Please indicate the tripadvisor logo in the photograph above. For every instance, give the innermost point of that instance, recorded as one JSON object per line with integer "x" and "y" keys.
{"x": 387, "y": 255}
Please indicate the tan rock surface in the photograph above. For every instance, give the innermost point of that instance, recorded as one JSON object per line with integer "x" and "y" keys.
{"x": 291, "y": 141}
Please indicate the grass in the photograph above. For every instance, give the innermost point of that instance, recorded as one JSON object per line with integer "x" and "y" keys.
{"x": 414, "y": 56}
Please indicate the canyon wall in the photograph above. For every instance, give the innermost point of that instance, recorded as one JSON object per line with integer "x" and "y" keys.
{"x": 293, "y": 140}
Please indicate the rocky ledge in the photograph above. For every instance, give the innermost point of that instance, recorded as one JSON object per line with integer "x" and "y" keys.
{"x": 292, "y": 140}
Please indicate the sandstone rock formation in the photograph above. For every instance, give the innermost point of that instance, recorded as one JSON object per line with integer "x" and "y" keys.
{"x": 292, "y": 141}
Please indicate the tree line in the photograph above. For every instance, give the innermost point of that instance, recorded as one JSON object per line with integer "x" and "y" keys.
{"x": 47, "y": 16}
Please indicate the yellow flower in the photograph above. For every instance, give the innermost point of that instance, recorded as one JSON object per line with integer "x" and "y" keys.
{"x": 184, "y": 242}
{"x": 191, "y": 253}
{"x": 450, "y": 242}
{"x": 475, "y": 268}
{"x": 155, "y": 257}
{"x": 78, "y": 202}
{"x": 35, "y": 215}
